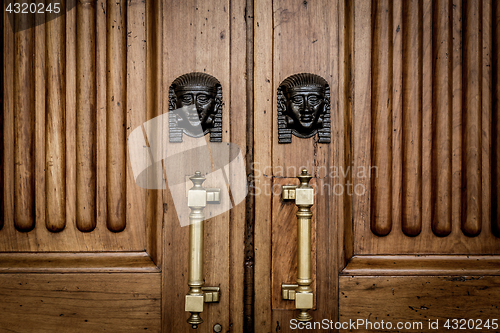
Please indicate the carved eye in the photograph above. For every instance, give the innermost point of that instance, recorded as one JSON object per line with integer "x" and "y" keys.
{"x": 187, "y": 99}
{"x": 202, "y": 98}
{"x": 314, "y": 99}
{"x": 297, "y": 99}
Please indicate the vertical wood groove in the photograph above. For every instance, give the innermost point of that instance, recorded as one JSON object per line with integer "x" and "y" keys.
{"x": 381, "y": 205}
{"x": 116, "y": 60}
{"x": 495, "y": 168}
{"x": 24, "y": 126}
{"x": 2, "y": 107}
{"x": 411, "y": 219}
{"x": 472, "y": 79}
{"x": 441, "y": 118}
{"x": 457, "y": 140}
{"x": 85, "y": 116}
{"x": 55, "y": 124}
{"x": 154, "y": 65}
{"x": 249, "y": 283}
{"x": 486, "y": 95}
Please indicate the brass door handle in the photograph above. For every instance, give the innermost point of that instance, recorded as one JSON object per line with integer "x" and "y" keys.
{"x": 301, "y": 292}
{"x": 198, "y": 198}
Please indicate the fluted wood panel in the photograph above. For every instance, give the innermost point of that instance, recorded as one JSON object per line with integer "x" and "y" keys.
{"x": 65, "y": 124}
{"x": 445, "y": 138}
{"x": 441, "y": 117}
{"x": 412, "y": 118}
{"x": 55, "y": 125}
{"x": 116, "y": 59}
{"x": 381, "y": 205}
{"x": 24, "y": 126}
{"x": 86, "y": 116}
{"x": 472, "y": 77}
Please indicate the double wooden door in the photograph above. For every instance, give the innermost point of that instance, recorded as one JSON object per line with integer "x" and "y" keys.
{"x": 405, "y": 218}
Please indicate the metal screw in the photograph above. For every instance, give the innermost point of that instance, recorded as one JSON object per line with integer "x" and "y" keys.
{"x": 217, "y": 328}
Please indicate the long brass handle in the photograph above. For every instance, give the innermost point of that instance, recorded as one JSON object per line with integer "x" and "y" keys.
{"x": 301, "y": 292}
{"x": 198, "y": 197}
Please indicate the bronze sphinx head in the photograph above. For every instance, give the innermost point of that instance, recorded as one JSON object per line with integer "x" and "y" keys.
{"x": 304, "y": 108}
{"x": 195, "y": 107}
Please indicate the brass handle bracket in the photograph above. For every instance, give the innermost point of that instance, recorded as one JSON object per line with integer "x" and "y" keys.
{"x": 211, "y": 294}
{"x": 288, "y": 291}
{"x": 198, "y": 198}
{"x": 301, "y": 292}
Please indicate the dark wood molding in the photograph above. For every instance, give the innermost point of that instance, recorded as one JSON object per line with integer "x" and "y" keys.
{"x": 77, "y": 262}
{"x": 430, "y": 265}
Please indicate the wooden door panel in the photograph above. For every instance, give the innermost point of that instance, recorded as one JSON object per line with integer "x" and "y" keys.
{"x": 90, "y": 93}
{"x": 207, "y": 37}
{"x": 295, "y": 37}
{"x": 71, "y": 211}
{"x": 424, "y": 236}
{"x": 80, "y": 302}
{"x": 431, "y": 191}
{"x": 284, "y": 244}
{"x": 414, "y": 94}
{"x": 417, "y": 300}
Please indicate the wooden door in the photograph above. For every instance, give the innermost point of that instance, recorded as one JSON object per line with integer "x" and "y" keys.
{"x": 425, "y": 111}
{"x": 83, "y": 247}
{"x": 80, "y": 242}
{"x": 413, "y": 238}
{"x": 405, "y": 219}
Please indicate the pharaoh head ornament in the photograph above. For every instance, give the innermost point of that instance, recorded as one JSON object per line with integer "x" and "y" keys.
{"x": 304, "y": 108}
{"x": 195, "y": 107}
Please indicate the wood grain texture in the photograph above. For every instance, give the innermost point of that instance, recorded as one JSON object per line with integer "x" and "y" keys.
{"x": 24, "y": 125}
{"x": 427, "y": 116}
{"x": 116, "y": 98}
{"x": 83, "y": 262}
{"x": 40, "y": 71}
{"x": 412, "y": 119}
{"x": 418, "y": 299}
{"x": 8, "y": 123}
{"x": 361, "y": 128}
{"x": 472, "y": 156}
{"x": 263, "y": 136}
{"x": 284, "y": 244}
{"x": 249, "y": 234}
{"x": 86, "y": 116}
{"x": 154, "y": 200}
{"x": 2, "y": 105}
{"x": 434, "y": 265}
{"x": 447, "y": 126}
{"x": 241, "y": 80}
{"x": 381, "y": 104}
{"x": 51, "y": 114}
{"x": 136, "y": 209}
{"x": 398, "y": 22}
{"x": 197, "y": 38}
{"x": 55, "y": 125}
{"x": 304, "y": 33}
{"x": 495, "y": 186}
{"x": 343, "y": 133}
{"x": 486, "y": 112}
{"x": 442, "y": 118}
{"x": 457, "y": 99}
{"x": 80, "y": 302}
